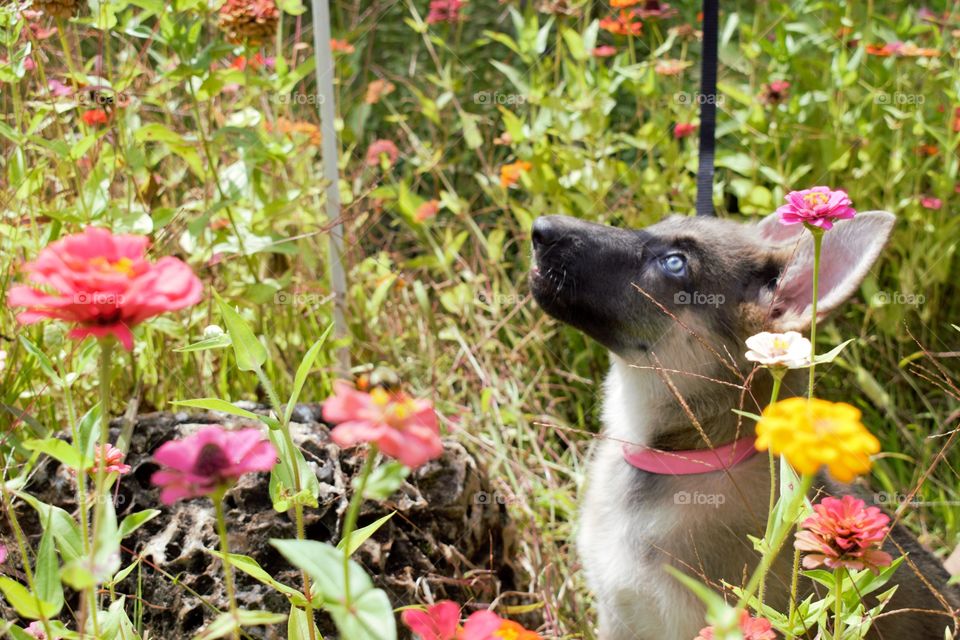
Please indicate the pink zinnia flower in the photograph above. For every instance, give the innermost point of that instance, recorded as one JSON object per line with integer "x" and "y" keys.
{"x": 604, "y": 51}
{"x": 439, "y": 622}
{"x": 752, "y": 629}
{"x": 929, "y": 202}
{"x": 486, "y": 625}
{"x": 111, "y": 457}
{"x": 817, "y": 207}
{"x": 403, "y": 428}
{"x": 444, "y": 11}
{"x": 3, "y": 553}
{"x": 844, "y": 533}
{"x": 104, "y": 284}
{"x": 683, "y": 129}
{"x": 378, "y": 147}
{"x": 209, "y": 460}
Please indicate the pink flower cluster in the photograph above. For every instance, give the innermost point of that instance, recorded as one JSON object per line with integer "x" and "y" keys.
{"x": 442, "y": 622}
{"x": 104, "y": 284}
{"x": 844, "y": 533}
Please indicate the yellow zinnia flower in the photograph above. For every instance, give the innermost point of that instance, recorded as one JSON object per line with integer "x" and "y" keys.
{"x": 816, "y": 433}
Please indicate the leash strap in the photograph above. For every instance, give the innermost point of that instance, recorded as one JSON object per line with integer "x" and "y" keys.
{"x": 708, "y": 107}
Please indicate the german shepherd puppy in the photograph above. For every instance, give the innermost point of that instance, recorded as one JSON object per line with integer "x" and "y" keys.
{"x": 674, "y": 303}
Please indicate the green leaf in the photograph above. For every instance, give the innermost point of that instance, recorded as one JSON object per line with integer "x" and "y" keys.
{"x": 216, "y": 404}
{"x": 370, "y": 616}
{"x": 26, "y": 604}
{"x": 361, "y": 535}
{"x": 224, "y": 624}
{"x": 136, "y": 520}
{"x": 250, "y": 567}
{"x": 64, "y": 527}
{"x": 217, "y": 342}
{"x": 831, "y": 355}
{"x": 306, "y": 365}
{"x": 45, "y": 364}
{"x": 282, "y": 482}
{"x": 384, "y": 481}
{"x": 56, "y": 448}
{"x": 251, "y": 354}
{"x": 47, "y": 571}
{"x": 298, "y": 625}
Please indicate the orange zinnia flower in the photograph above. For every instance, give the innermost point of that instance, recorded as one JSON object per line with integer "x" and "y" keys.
{"x": 622, "y": 24}
{"x": 510, "y": 173}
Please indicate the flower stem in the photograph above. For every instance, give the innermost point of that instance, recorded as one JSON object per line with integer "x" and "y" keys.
{"x": 817, "y": 247}
{"x": 838, "y": 604}
{"x": 99, "y": 497}
{"x": 777, "y": 374}
{"x": 350, "y": 521}
{"x": 227, "y": 566}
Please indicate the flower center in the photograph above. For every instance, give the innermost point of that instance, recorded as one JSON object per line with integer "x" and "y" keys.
{"x": 816, "y": 198}
{"x": 396, "y": 409}
{"x": 210, "y": 461}
{"x": 780, "y": 345}
{"x": 123, "y": 265}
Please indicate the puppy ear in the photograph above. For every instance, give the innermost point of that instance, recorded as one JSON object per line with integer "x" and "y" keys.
{"x": 848, "y": 252}
{"x": 775, "y": 232}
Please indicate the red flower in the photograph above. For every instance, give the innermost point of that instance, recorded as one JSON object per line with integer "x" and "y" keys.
{"x": 752, "y": 629}
{"x": 104, "y": 284}
{"x": 444, "y": 11}
{"x": 403, "y": 428}
{"x": 818, "y": 207}
{"x": 622, "y": 24}
{"x": 604, "y": 51}
{"x": 95, "y": 117}
{"x": 427, "y": 210}
{"x": 844, "y": 533}
{"x": 256, "y": 62}
{"x": 929, "y": 202}
{"x": 341, "y": 46}
{"x": 210, "y": 460}
{"x": 884, "y": 50}
{"x": 683, "y": 129}
{"x": 439, "y": 622}
{"x": 378, "y": 147}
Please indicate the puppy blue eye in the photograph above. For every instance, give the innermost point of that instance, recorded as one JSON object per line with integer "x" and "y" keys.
{"x": 674, "y": 264}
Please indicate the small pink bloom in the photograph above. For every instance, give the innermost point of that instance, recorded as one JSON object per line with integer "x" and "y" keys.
{"x": 35, "y": 629}
{"x": 604, "y": 51}
{"x": 209, "y": 460}
{"x": 58, "y": 89}
{"x": 929, "y": 202}
{"x": 403, "y": 428}
{"x": 775, "y": 92}
{"x": 683, "y": 129}
{"x": 818, "y": 207}
{"x": 751, "y": 628}
{"x": 104, "y": 284}
{"x": 439, "y": 622}
{"x": 844, "y": 533}
{"x": 427, "y": 210}
{"x": 111, "y": 457}
{"x": 378, "y": 147}
{"x": 3, "y": 553}
{"x": 444, "y": 11}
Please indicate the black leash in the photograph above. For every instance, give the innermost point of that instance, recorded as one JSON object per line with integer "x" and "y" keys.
{"x": 708, "y": 107}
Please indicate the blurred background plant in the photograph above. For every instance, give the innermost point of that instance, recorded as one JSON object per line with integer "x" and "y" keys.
{"x": 460, "y": 122}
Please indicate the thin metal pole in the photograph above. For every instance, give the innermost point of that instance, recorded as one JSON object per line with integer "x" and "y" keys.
{"x": 326, "y": 103}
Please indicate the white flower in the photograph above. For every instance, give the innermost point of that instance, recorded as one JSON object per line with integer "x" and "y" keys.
{"x": 788, "y": 349}
{"x": 212, "y": 331}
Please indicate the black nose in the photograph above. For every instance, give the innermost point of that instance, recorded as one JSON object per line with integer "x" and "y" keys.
{"x": 546, "y": 231}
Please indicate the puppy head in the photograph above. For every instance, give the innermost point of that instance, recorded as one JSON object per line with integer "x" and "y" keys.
{"x": 627, "y": 288}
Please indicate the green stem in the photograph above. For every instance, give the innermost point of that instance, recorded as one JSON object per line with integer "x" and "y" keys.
{"x": 838, "y": 604}
{"x": 777, "y": 373}
{"x": 227, "y": 566}
{"x": 794, "y": 586}
{"x": 297, "y": 488}
{"x": 817, "y": 247}
{"x": 99, "y": 496}
{"x": 350, "y": 522}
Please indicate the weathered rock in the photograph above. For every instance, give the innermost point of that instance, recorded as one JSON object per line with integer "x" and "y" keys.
{"x": 447, "y": 538}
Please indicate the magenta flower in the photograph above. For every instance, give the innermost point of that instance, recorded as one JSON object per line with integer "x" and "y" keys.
{"x": 104, "y": 284}
{"x": 929, "y": 202}
{"x": 444, "y": 11}
{"x": 818, "y": 207}
{"x": 3, "y": 553}
{"x": 403, "y": 428}
{"x": 438, "y": 622}
{"x": 844, "y": 533}
{"x": 751, "y": 628}
{"x": 209, "y": 461}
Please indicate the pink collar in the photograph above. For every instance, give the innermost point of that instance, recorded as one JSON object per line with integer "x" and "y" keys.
{"x": 692, "y": 462}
